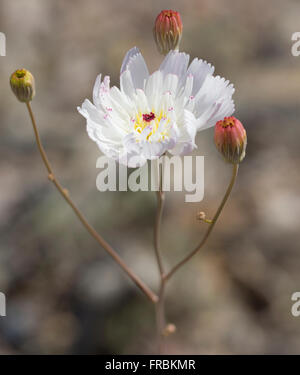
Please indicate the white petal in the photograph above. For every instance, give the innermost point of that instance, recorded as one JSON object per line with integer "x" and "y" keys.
{"x": 96, "y": 91}
{"x": 190, "y": 124}
{"x": 186, "y": 139}
{"x": 153, "y": 90}
{"x": 132, "y": 155}
{"x": 225, "y": 109}
{"x": 88, "y": 110}
{"x": 152, "y": 151}
{"x": 136, "y": 65}
{"x": 126, "y": 84}
{"x": 131, "y": 53}
{"x": 99, "y": 127}
{"x": 130, "y": 143}
{"x": 119, "y": 97}
{"x": 170, "y": 84}
{"x": 199, "y": 69}
{"x": 141, "y": 102}
{"x": 189, "y": 84}
{"x": 101, "y": 93}
{"x": 213, "y": 101}
{"x": 175, "y": 63}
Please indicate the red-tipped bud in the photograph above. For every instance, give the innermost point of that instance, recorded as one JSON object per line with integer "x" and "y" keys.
{"x": 167, "y": 31}
{"x": 231, "y": 139}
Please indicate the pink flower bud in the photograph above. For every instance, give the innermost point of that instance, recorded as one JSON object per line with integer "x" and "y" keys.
{"x": 167, "y": 31}
{"x": 231, "y": 139}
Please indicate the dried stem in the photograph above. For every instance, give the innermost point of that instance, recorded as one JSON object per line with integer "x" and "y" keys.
{"x": 211, "y": 226}
{"x": 139, "y": 283}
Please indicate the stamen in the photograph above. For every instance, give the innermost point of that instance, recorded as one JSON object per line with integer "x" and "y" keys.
{"x": 228, "y": 121}
{"x": 148, "y": 117}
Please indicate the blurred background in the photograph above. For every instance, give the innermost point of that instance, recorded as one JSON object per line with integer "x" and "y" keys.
{"x": 64, "y": 294}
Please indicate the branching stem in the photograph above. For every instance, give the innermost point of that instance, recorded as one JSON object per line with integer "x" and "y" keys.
{"x": 65, "y": 194}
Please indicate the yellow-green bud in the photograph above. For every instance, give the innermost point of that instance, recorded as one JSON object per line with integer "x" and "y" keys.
{"x": 22, "y": 85}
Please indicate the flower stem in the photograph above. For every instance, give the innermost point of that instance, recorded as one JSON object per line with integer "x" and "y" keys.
{"x": 160, "y": 306}
{"x": 160, "y": 316}
{"x": 139, "y": 283}
{"x": 211, "y": 226}
{"x": 160, "y": 206}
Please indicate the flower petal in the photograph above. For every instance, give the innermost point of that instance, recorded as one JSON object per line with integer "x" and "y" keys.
{"x": 126, "y": 84}
{"x": 153, "y": 89}
{"x": 213, "y": 101}
{"x": 96, "y": 91}
{"x": 136, "y": 65}
{"x": 175, "y": 63}
{"x": 186, "y": 139}
{"x": 199, "y": 69}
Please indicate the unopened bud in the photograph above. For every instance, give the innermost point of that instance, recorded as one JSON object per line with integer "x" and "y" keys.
{"x": 231, "y": 139}
{"x": 167, "y": 31}
{"x": 22, "y": 84}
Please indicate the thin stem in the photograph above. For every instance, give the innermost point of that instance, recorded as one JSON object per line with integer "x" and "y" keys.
{"x": 160, "y": 316}
{"x": 157, "y": 227}
{"x": 211, "y": 226}
{"x": 140, "y": 284}
{"x": 160, "y": 306}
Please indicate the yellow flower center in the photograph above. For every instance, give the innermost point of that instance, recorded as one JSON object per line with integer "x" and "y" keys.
{"x": 151, "y": 121}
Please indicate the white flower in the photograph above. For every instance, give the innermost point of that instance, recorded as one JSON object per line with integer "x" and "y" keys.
{"x": 152, "y": 114}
